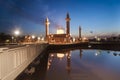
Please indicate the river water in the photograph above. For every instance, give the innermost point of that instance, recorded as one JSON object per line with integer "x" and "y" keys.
{"x": 78, "y": 64}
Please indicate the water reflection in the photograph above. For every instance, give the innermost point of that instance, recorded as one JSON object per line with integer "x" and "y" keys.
{"x": 87, "y": 68}
{"x": 98, "y": 52}
{"x": 68, "y": 67}
{"x": 79, "y": 64}
{"x": 60, "y": 55}
{"x": 81, "y": 54}
{"x": 116, "y": 54}
{"x": 36, "y": 70}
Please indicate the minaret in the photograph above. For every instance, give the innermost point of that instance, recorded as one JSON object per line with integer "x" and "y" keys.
{"x": 80, "y": 32}
{"x": 47, "y": 23}
{"x": 67, "y": 24}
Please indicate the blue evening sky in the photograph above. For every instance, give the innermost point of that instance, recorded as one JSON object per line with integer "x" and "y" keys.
{"x": 102, "y": 17}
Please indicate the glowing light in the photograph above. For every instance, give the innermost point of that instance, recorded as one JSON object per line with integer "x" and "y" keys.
{"x": 38, "y": 38}
{"x": 60, "y": 31}
{"x": 7, "y": 40}
{"x": 98, "y": 39}
{"x": 33, "y": 37}
{"x": 16, "y": 32}
{"x": 42, "y": 38}
{"x": 59, "y": 55}
{"x": 89, "y": 46}
{"x": 73, "y": 39}
{"x": 12, "y": 37}
{"x": 48, "y": 65}
{"x": 98, "y": 53}
{"x": 47, "y": 22}
{"x": 85, "y": 39}
{"x": 52, "y": 55}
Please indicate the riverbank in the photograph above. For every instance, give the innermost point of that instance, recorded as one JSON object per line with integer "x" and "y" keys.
{"x": 86, "y": 45}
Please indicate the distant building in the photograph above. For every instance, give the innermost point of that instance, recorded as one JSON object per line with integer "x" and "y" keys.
{"x": 114, "y": 38}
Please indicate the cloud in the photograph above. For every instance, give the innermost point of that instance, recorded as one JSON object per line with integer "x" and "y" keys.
{"x": 19, "y": 8}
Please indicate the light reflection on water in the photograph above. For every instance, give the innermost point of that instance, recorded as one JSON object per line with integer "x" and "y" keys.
{"x": 80, "y": 64}
{"x": 85, "y": 65}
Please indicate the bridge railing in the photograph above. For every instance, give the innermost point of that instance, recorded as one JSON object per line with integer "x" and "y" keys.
{"x": 14, "y": 61}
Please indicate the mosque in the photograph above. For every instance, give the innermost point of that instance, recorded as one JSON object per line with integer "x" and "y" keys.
{"x": 61, "y": 36}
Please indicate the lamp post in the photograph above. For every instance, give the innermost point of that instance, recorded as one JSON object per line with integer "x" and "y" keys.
{"x": 33, "y": 37}
{"x": 38, "y": 39}
{"x": 16, "y": 32}
{"x": 12, "y": 39}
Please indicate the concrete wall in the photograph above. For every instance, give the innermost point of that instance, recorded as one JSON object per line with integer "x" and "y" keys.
{"x": 14, "y": 61}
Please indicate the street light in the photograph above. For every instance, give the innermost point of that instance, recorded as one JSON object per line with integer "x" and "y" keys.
{"x": 33, "y": 37}
{"x": 38, "y": 39}
{"x": 16, "y": 32}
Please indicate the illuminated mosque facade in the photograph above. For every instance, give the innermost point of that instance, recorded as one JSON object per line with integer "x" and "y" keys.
{"x": 60, "y": 36}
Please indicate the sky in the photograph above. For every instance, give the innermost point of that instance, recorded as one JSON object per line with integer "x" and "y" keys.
{"x": 96, "y": 17}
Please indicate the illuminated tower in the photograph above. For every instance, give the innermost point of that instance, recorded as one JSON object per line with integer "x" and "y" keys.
{"x": 67, "y": 24}
{"x": 47, "y": 23}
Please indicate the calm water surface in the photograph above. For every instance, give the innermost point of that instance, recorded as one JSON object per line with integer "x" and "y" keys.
{"x": 82, "y": 64}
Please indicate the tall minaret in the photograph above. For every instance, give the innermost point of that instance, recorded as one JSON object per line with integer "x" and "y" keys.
{"x": 47, "y": 23}
{"x": 80, "y": 32}
{"x": 67, "y": 24}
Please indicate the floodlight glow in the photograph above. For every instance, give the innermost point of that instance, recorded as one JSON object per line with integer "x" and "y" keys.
{"x": 17, "y": 32}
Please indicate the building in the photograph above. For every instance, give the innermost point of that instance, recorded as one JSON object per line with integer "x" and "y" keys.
{"x": 60, "y": 36}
